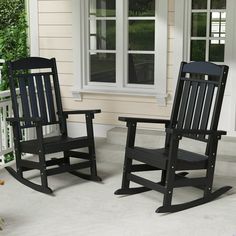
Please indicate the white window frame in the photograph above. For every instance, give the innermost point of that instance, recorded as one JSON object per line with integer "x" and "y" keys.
{"x": 80, "y": 49}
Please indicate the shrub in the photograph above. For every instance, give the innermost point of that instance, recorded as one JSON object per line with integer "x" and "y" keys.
{"x": 13, "y": 34}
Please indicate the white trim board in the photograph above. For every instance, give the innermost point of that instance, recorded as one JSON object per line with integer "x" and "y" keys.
{"x": 32, "y": 9}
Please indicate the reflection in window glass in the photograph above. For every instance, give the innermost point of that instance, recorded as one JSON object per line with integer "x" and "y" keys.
{"x": 199, "y": 4}
{"x": 218, "y": 4}
{"x": 102, "y": 35}
{"x": 102, "y": 8}
{"x": 216, "y": 50}
{"x": 198, "y": 50}
{"x": 141, "y": 7}
{"x": 103, "y": 67}
{"x": 218, "y": 21}
{"x": 141, "y": 69}
{"x": 199, "y": 24}
{"x": 141, "y": 35}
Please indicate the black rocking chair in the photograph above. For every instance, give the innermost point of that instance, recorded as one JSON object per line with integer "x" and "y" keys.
{"x": 40, "y": 98}
{"x": 195, "y": 115}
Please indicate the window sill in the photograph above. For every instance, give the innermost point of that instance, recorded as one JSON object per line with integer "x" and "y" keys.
{"x": 77, "y": 94}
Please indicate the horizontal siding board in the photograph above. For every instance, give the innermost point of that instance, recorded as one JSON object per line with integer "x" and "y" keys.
{"x": 55, "y": 6}
{"x": 64, "y": 31}
{"x": 60, "y": 55}
{"x": 66, "y": 79}
{"x": 65, "y": 67}
{"x": 55, "y": 18}
{"x": 55, "y": 43}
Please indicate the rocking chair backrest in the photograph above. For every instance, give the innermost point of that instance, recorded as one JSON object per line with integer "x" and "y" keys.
{"x": 35, "y": 90}
{"x": 198, "y": 98}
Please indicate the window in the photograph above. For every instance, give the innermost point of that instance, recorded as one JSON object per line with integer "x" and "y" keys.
{"x": 124, "y": 46}
{"x": 208, "y": 30}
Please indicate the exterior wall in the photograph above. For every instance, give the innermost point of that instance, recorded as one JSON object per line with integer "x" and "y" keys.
{"x": 55, "y": 40}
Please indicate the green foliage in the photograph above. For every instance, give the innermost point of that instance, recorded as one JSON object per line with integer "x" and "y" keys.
{"x": 9, "y": 157}
{"x": 13, "y": 39}
{"x": 13, "y": 34}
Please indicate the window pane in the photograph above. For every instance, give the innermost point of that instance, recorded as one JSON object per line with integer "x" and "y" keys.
{"x": 141, "y": 69}
{"x": 199, "y": 23}
{"x": 218, "y": 21}
{"x": 197, "y": 51}
{"x": 141, "y": 35}
{"x": 218, "y": 4}
{"x": 141, "y": 7}
{"x": 102, "y": 34}
{"x": 199, "y": 4}
{"x": 103, "y": 67}
{"x": 217, "y": 50}
{"x": 102, "y": 8}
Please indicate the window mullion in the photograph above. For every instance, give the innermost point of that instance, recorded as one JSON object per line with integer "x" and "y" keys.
{"x": 120, "y": 43}
{"x": 208, "y": 29}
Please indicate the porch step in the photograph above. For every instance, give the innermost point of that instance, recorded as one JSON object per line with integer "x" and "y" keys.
{"x": 116, "y": 138}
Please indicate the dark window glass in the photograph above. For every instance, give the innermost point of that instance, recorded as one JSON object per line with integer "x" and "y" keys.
{"x": 217, "y": 24}
{"x": 141, "y": 69}
{"x": 102, "y": 8}
{"x": 198, "y": 49}
{"x": 199, "y": 24}
{"x": 141, "y": 7}
{"x": 217, "y": 50}
{"x": 141, "y": 35}
{"x": 103, "y": 67}
{"x": 102, "y": 34}
{"x": 218, "y": 4}
{"x": 199, "y": 4}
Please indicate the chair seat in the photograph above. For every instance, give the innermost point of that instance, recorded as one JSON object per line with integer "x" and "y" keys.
{"x": 159, "y": 158}
{"x": 54, "y": 144}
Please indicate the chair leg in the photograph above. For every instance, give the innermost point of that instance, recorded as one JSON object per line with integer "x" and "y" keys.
{"x": 125, "y": 181}
{"x": 66, "y": 158}
{"x": 126, "y": 170}
{"x": 18, "y": 165}
{"x": 91, "y": 148}
{"x": 125, "y": 186}
{"x": 170, "y": 173}
{"x": 43, "y": 166}
{"x": 211, "y": 166}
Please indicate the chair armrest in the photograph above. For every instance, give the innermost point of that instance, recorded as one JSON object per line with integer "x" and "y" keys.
{"x": 143, "y": 120}
{"x": 79, "y": 112}
{"x": 23, "y": 119}
{"x": 195, "y": 131}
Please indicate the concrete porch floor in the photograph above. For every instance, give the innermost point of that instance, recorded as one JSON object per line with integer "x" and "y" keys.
{"x": 81, "y": 207}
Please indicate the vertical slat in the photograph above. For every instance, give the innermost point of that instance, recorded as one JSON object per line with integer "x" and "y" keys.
{"x": 49, "y": 96}
{"x": 207, "y": 106}
{"x": 24, "y": 99}
{"x": 42, "y": 103}
{"x": 32, "y": 95}
{"x": 184, "y": 102}
{"x": 191, "y": 105}
{"x": 10, "y": 128}
{"x": 5, "y": 135}
{"x": 199, "y": 105}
